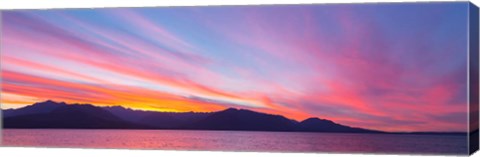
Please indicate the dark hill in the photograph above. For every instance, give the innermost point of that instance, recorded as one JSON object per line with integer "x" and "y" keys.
{"x": 160, "y": 120}
{"x": 51, "y": 114}
{"x": 60, "y": 115}
{"x": 234, "y": 119}
{"x": 37, "y": 108}
{"x": 323, "y": 125}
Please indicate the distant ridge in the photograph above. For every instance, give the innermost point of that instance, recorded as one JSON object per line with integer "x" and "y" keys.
{"x": 50, "y": 114}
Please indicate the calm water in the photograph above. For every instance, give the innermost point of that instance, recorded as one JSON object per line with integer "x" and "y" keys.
{"x": 237, "y": 141}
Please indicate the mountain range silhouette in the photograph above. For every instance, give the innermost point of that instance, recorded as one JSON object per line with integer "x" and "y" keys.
{"x": 50, "y": 114}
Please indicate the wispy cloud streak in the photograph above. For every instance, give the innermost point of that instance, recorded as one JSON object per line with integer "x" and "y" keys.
{"x": 372, "y": 66}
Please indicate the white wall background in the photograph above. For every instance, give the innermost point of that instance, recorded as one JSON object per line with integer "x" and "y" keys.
{"x": 61, "y": 152}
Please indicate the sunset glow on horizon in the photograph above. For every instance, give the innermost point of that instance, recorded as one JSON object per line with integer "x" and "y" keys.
{"x": 391, "y": 67}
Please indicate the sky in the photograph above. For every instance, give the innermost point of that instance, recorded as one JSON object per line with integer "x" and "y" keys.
{"x": 391, "y": 67}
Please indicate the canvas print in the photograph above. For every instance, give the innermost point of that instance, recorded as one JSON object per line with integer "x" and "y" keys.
{"x": 389, "y": 78}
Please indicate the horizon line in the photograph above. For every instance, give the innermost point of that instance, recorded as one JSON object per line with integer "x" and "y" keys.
{"x": 227, "y": 108}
